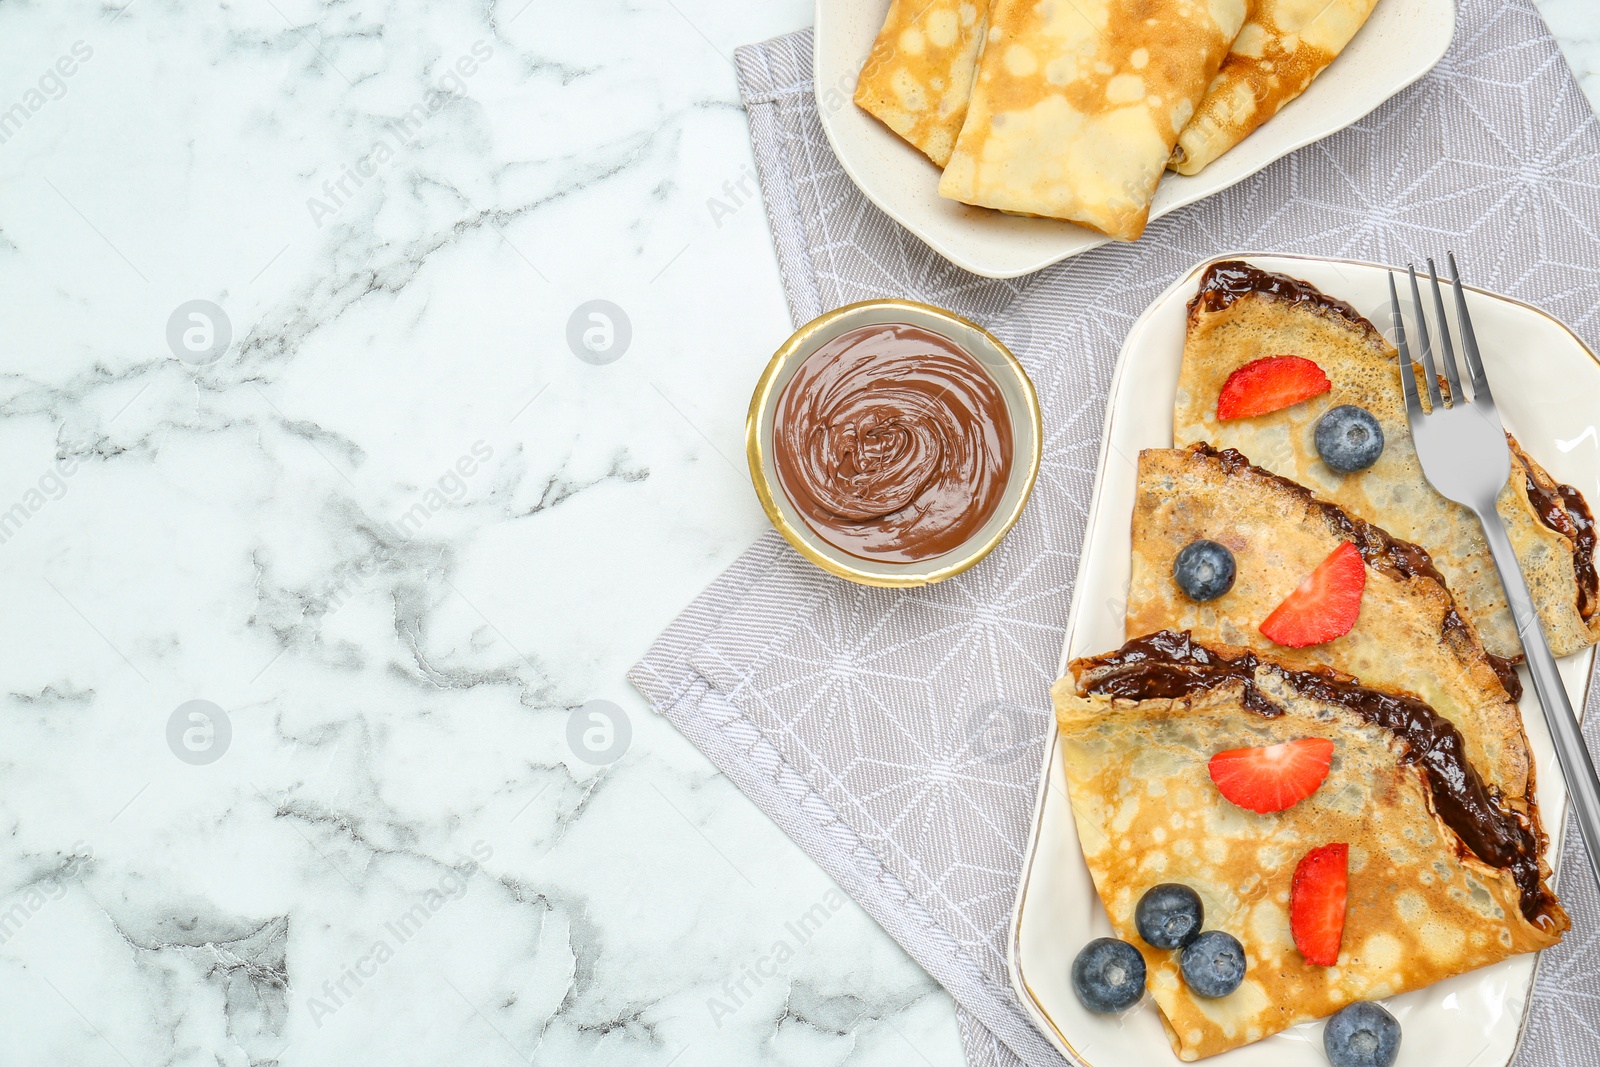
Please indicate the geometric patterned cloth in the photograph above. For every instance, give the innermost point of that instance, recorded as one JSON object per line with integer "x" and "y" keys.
{"x": 897, "y": 735}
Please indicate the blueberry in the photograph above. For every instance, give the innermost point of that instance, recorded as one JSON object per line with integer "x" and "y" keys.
{"x": 1349, "y": 439}
{"x": 1169, "y": 915}
{"x": 1213, "y": 964}
{"x": 1203, "y": 570}
{"x": 1362, "y": 1034}
{"x": 1108, "y": 975}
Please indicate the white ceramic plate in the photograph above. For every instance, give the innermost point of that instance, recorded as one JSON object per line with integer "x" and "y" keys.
{"x": 1401, "y": 42}
{"x": 1547, "y": 387}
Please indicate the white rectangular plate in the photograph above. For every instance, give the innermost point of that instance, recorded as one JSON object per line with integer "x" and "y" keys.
{"x": 1547, "y": 387}
{"x": 1401, "y": 42}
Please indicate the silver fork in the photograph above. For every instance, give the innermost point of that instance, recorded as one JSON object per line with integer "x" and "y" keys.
{"x": 1462, "y": 447}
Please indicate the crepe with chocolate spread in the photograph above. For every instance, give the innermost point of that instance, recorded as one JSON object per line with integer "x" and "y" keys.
{"x": 1409, "y": 634}
{"x": 919, "y": 73}
{"x": 1076, "y": 106}
{"x": 1283, "y": 46}
{"x": 1440, "y": 880}
{"x": 1241, "y": 314}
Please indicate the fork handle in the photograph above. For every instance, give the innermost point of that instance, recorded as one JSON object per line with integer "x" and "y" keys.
{"x": 1571, "y": 752}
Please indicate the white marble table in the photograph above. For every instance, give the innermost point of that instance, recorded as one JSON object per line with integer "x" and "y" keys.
{"x": 1576, "y": 24}
{"x": 391, "y": 531}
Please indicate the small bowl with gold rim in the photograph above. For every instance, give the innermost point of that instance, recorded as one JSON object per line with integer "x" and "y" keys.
{"x": 893, "y": 443}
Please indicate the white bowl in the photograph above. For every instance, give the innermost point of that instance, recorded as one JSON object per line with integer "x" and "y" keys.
{"x": 1401, "y": 42}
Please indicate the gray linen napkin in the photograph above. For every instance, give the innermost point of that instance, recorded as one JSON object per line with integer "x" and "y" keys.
{"x": 896, "y": 735}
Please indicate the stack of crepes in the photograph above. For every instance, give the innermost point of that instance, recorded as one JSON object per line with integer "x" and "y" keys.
{"x": 1431, "y": 784}
{"x": 1072, "y": 109}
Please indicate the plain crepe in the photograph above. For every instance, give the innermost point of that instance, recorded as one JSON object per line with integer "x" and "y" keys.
{"x": 1077, "y": 105}
{"x": 919, "y": 74}
{"x": 1242, "y": 313}
{"x": 1137, "y": 729}
{"x": 1282, "y": 48}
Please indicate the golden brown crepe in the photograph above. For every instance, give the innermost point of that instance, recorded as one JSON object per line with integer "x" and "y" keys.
{"x": 1422, "y": 904}
{"x": 1408, "y": 636}
{"x": 1076, "y": 106}
{"x": 1283, "y": 46}
{"x": 1242, "y": 314}
{"x": 919, "y": 73}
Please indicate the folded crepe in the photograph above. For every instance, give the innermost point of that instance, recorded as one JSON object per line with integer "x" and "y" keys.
{"x": 1283, "y": 46}
{"x": 1137, "y": 730}
{"x": 1409, "y": 634}
{"x": 919, "y": 73}
{"x": 1242, "y": 313}
{"x": 1076, "y": 106}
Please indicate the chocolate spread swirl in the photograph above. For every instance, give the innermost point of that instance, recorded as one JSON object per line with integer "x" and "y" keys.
{"x": 893, "y": 443}
{"x": 1168, "y": 665}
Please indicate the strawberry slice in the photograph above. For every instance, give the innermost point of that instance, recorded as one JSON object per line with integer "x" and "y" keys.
{"x": 1322, "y": 607}
{"x": 1274, "y": 777}
{"x": 1316, "y": 903}
{"x": 1270, "y": 384}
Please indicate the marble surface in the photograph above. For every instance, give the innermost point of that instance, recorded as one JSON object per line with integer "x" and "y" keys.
{"x": 1576, "y": 25}
{"x": 327, "y": 540}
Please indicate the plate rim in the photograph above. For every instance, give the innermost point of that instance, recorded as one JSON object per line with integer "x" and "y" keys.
{"x": 1557, "y": 831}
{"x": 939, "y": 245}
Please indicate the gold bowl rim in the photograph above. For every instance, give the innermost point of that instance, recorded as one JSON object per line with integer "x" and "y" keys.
{"x": 835, "y": 561}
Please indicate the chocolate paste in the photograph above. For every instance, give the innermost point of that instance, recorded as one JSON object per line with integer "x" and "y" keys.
{"x": 1506, "y": 671}
{"x": 1227, "y": 282}
{"x": 1170, "y": 665}
{"x": 1564, "y": 510}
{"x": 1167, "y": 665}
{"x": 1583, "y": 553}
{"x": 893, "y": 443}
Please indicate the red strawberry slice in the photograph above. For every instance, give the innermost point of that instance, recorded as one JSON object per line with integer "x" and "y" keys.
{"x": 1274, "y": 777}
{"x": 1316, "y": 903}
{"x": 1322, "y": 607}
{"x": 1270, "y": 384}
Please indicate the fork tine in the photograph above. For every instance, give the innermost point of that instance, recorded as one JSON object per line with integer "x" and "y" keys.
{"x": 1408, "y": 379}
{"x": 1434, "y": 400}
{"x": 1451, "y": 374}
{"x": 1469, "y": 340}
